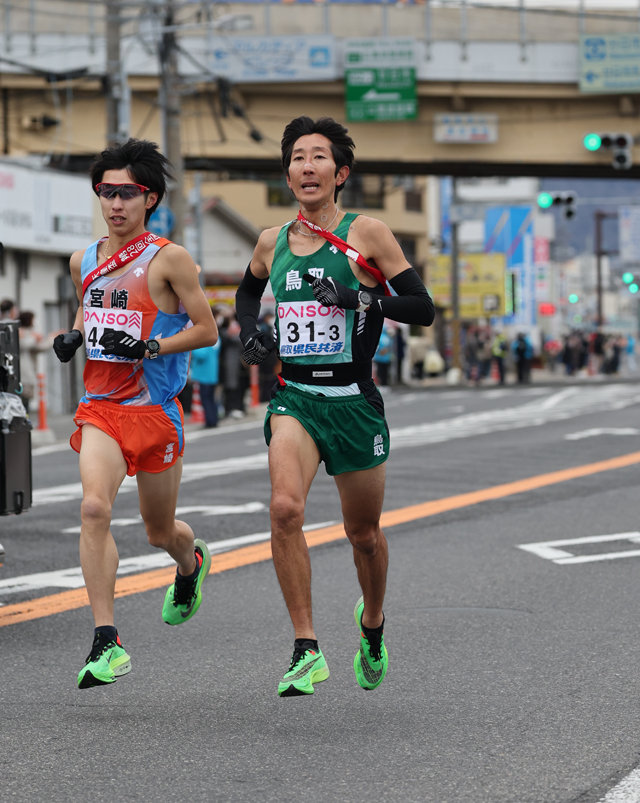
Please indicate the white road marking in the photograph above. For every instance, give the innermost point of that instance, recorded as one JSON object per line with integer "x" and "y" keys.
{"x": 548, "y": 550}
{"x": 72, "y": 578}
{"x": 190, "y": 473}
{"x": 205, "y": 510}
{"x": 594, "y": 433}
{"x": 626, "y": 791}
{"x": 567, "y": 403}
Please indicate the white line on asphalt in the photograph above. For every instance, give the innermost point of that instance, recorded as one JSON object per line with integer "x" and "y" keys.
{"x": 626, "y": 791}
{"x": 205, "y": 510}
{"x": 548, "y": 550}
{"x": 190, "y": 472}
{"x": 594, "y": 433}
{"x": 566, "y": 404}
{"x": 72, "y": 578}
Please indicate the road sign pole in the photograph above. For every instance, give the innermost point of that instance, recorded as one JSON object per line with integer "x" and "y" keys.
{"x": 455, "y": 275}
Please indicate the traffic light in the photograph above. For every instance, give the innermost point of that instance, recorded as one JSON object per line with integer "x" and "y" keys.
{"x": 619, "y": 145}
{"x": 567, "y": 200}
{"x": 573, "y": 298}
{"x": 630, "y": 280}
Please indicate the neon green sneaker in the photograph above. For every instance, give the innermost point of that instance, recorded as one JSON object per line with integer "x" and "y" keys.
{"x": 106, "y": 662}
{"x": 372, "y": 659}
{"x": 182, "y": 599}
{"x": 307, "y": 667}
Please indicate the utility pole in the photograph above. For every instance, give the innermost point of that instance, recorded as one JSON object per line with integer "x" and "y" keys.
{"x": 170, "y": 109}
{"x": 116, "y": 90}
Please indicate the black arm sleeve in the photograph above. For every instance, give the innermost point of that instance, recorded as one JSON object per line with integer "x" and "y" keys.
{"x": 413, "y": 304}
{"x": 248, "y": 297}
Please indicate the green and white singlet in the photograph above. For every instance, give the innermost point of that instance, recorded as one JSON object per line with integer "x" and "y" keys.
{"x": 324, "y": 350}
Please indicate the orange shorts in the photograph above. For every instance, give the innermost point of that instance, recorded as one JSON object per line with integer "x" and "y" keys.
{"x": 151, "y": 437}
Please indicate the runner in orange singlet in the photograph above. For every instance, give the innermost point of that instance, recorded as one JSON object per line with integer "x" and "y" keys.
{"x": 141, "y": 311}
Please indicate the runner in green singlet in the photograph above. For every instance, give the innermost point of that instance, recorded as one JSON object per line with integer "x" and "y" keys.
{"x": 326, "y": 408}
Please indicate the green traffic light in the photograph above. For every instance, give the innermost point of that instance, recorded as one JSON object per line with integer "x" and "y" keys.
{"x": 573, "y": 298}
{"x": 627, "y": 277}
{"x": 592, "y": 142}
{"x": 545, "y": 200}
{"x": 633, "y": 288}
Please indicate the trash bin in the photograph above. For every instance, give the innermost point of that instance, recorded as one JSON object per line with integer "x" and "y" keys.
{"x": 15, "y": 427}
{"x": 15, "y": 456}
{"x": 10, "y": 357}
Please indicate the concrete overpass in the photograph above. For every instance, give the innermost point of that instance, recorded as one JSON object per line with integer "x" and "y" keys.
{"x": 517, "y": 67}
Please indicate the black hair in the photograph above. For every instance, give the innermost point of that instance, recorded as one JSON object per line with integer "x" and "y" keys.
{"x": 146, "y": 164}
{"x": 342, "y": 146}
{"x": 26, "y": 317}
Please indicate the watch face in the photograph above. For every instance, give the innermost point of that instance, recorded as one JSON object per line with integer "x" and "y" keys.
{"x": 365, "y": 298}
{"x": 153, "y": 346}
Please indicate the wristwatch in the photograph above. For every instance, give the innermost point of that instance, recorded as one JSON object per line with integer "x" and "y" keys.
{"x": 364, "y": 301}
{"x": 153, "y": 347}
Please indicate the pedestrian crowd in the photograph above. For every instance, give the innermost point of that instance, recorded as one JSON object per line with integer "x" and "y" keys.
{"x": 594, "y": 352}
{"x": 489, "y": 354}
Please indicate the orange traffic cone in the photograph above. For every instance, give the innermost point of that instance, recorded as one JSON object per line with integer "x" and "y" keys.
{"x": 197, "y": 410}
{"x": 42, "y": 402}
{"x": 495, "y": 374}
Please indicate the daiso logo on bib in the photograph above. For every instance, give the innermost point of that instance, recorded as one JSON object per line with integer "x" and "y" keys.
{"x": 97, "y": 319}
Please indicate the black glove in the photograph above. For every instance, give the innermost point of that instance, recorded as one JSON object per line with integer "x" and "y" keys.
{"x": 115, "y": 341}
{"x": 257, "y": 347}
{"x": 331, "y": 293}
{"x": 66, "y": 345}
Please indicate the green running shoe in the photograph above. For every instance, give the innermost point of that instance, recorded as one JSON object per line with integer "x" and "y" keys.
{"x": 182, "y": 599}
{"x": 307, "y": 667}
{"x": 372, "y": 659}
{"x": 106, "y": 662}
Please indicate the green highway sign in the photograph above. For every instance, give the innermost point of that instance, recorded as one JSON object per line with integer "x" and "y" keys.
{"x": 380, "y": 80}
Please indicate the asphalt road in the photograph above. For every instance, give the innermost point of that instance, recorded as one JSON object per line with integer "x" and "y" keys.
{"x": 513, "y": 661}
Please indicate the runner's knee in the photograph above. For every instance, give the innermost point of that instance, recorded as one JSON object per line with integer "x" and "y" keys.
{"x": 158, "y": 536}
{"x": 364, "y": 538}
{"x": 287, "y": 513}
{"x": 95, "y": 511}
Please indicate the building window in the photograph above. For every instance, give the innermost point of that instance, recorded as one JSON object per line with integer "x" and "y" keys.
{"x": 363, "y": 192}
{"x": 278, "y": 193}
{"x": 408, "y": 245}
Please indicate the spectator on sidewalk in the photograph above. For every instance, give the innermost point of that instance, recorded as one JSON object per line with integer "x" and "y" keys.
{"x": 8, "y": 310}
{"x": 205, "y": 370}
{"x": 522, "y": 349}
{"x": 32, "y": 344}
{"x": 384, "y": 354}
{"x": 499, "y": 351}
{"x": 233, "y": 372}
{"x": 630, "y": 354}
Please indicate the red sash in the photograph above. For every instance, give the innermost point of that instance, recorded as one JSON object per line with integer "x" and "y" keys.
{"x": 130, "y": 251}
{"x": 349, "y": 250}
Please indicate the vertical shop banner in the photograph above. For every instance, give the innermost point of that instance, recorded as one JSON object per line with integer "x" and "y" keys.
{"x": 509, "y": 230}
{"x": 380, "y": 79}
{"x": 446, "y": 197}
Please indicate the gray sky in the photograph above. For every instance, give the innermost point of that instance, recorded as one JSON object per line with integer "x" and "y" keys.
{"x": 589, "y": 5}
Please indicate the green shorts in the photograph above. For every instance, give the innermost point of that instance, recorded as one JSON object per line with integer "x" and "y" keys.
{"x": 350, "y": 431}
